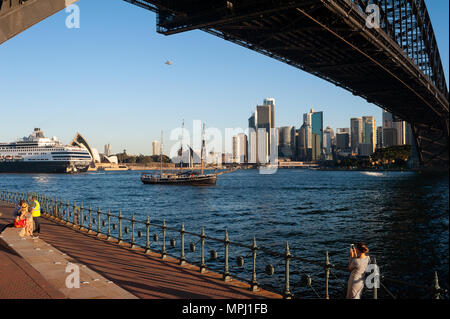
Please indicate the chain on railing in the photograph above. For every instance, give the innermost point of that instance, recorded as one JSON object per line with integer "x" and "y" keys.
{"x": 77, "y": 218}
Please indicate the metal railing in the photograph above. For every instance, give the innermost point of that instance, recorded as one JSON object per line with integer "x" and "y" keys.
{"x": 130, "y": 230}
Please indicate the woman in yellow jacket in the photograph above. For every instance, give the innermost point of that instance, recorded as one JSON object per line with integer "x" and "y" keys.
{"x": 36, "y": 211}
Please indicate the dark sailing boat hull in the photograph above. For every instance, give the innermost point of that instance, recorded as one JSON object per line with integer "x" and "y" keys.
{"x": 194, "y": 181}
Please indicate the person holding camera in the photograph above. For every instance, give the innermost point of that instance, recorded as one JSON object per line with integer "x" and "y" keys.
{"x": 359, "y": 260}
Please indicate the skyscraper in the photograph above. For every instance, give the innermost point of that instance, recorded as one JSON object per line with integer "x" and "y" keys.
{"x": 108, "y": 150}
{"x": 286, "y": 142}
{"x": 379, "y": 137}
{"x": 313, "y": 122}
{"x": 369, "y": 131}
{"x": 402, "y": 130}
{"x": 155, "y": 148}
{"x": 252, "y": 139}
{"x": 240, "y": 149}
{"x": 264, "y": 139}
{"x": 356, "y": 136}
{"x": 328, "y": 142}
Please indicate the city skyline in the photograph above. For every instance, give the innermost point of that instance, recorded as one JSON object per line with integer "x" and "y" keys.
{"x": 127, "y": 103}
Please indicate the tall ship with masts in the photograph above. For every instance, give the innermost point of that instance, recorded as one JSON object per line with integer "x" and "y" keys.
{"x": 39, "y": 154}
{"x": 182, "y": 177}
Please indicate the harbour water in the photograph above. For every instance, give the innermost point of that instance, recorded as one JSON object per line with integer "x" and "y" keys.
{"x": 402, "y": 216}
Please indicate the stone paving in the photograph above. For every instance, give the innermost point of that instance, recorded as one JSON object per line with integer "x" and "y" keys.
{"x": 144, "y": 276}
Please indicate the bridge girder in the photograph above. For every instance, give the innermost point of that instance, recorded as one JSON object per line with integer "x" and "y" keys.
{"x": 18, "y": 15}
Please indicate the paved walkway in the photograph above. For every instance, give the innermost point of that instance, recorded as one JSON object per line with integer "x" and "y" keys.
{"x": 145, "y": 276}
{"x": 18, "y": 280}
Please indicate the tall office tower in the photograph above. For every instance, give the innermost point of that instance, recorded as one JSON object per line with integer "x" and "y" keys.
{"x": 379, "y": 137}
{"x": 286, "y": 142}
{"x": 328, "y": 142}
{"x": 262, "y": 124}
{"x": 252, "y": 140}
{"x": 342, "y": 141}
{"x": 400, "y": 126}
{"x": 271, "y": 102}
{"x": 314, "y": 120}
{"x": 356, "y": 136}
{"x": 389, "y": 137}
{"x": 240, "y": 149}
{"x": 305, "y": 143}
{"x": 108, "y": 150}
{"x": 301, "y": 144}
{"x": 235, "y": 149}
{"x": 387, "y": 119}
{"x": 369, "y": 131}
{"x": 155, "y": 148}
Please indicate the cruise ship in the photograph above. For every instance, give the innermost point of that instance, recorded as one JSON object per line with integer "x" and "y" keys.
{"x": 39, "y": 154}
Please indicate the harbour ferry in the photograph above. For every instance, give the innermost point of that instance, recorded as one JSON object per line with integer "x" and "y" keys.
{"x": 39, "y": 154}
{"x": 182, "y": 177}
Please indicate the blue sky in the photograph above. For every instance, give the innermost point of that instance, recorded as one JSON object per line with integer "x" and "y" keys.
{"x": 109, "y": 81}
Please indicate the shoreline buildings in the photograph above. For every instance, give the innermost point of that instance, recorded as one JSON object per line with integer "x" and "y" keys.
{"x": 311, "y": 142}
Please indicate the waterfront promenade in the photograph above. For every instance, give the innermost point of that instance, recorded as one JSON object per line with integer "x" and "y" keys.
{"x": 144, "y": 276}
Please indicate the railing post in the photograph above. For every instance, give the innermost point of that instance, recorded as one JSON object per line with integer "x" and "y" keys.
{"x": 376, "y": 279}
{"x": 99, "y": 230}
{"x": 436, "y": 288}
{"x": 182, "y": 256}
{"x": 147, "y": 227}
{"x": 327, "y": 274}
{"x": 226, "y": 273}
{"x": 81, "y": 216}
{"x": 202, "y": 241}
{"x": 287, "y": 257}
{"x": 133, "y": 242}
{"x": 120, "y": 227}
{"x": 108, "y": 237}
{"x": 73, "y": 210}
{"x": 163, "y": 251}
{"x": 90, "y": 218}
{"x": 254, "y": 282}
{"x": 67, "y": 211}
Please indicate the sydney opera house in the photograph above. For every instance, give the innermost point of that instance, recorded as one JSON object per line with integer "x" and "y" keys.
{"x": 97, "y": 158}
